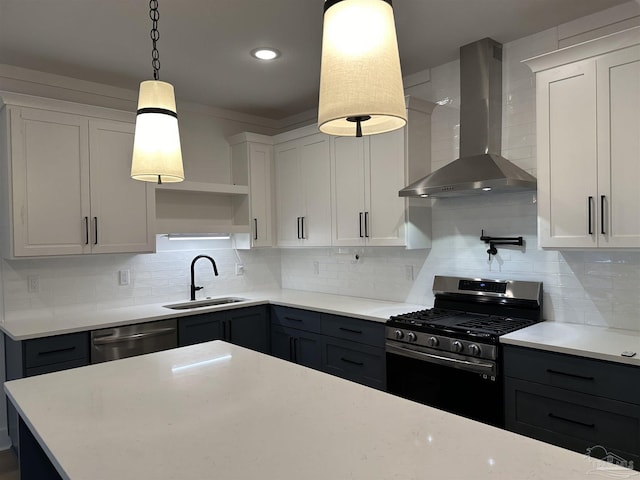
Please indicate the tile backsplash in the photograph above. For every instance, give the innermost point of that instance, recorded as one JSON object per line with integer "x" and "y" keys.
{"x": 88, "y": 283}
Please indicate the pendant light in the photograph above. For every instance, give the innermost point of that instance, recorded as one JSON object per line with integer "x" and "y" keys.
{"x": 156, "y": 147}
{"x": 361, "y": 90}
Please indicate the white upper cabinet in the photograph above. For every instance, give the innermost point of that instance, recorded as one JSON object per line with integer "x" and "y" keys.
{"x": 251, "y": 164}
{"x": 66, "y": 183}
{"x": 588, "y": 123}
{"x": 367, "y": 174}
{"x": 122, "y": 209}
{"x": 303, "y": 188}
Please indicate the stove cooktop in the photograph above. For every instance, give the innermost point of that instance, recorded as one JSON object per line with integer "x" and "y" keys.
{"x": 437, "y": 319}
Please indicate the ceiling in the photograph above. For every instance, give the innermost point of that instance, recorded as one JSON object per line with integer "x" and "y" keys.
{"x": 204, "y": 44}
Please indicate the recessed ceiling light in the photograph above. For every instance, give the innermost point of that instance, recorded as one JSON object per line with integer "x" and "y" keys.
{"x": 265, "y": 53}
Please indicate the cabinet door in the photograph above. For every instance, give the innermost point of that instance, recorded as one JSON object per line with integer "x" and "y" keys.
{"x": 567, "y": 164}
{"x": 348, "y": 191}
{"x": 303, "y": 348}
{"x": 288, "y": 194}
{"x": 384, "y": 177}
{"x": 201, "y": 328}
{"x": 619, "y": 148}
{"x": 249, "y": 327}
{"x": 307, "y": 350}
{"x": 122, "y": 209}
{"x": 315, "y": 170}
{"x": 260, "y": 192}
{"x": 50, "y": 179}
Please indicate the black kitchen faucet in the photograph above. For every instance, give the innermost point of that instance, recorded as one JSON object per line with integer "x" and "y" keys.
{"x": 194, "y": 289}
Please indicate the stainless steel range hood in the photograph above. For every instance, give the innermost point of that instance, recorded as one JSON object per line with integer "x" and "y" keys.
{"x": 480, "y": 168}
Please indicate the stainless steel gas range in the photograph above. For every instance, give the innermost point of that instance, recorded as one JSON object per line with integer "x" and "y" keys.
{"x": 449, "y": 356}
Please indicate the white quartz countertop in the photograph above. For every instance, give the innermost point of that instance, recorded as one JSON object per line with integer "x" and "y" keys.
{"x": 215, "y": 410}
{"x": 584, "y": 340}
{"x": 26, "y": 325}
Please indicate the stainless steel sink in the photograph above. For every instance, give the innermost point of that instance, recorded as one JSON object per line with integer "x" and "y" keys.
{"x": 208, "y": 302}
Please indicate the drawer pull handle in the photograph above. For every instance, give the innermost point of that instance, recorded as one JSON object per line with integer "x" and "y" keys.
{"x": 353, "y": 362}
{"x": 575, "y": 422}
{"x": 293, "y": 319}
{"x": 350, "y": 330}
{"x": 55, "y": 352}
{"x": 572, "y": 375}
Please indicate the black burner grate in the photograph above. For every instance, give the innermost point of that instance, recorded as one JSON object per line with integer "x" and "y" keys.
{"x": 497, "y": 325}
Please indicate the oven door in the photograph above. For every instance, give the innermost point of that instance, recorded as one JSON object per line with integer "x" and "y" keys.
{"x": 460, "y": 386}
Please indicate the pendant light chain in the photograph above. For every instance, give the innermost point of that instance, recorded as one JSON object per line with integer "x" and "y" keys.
{"x": 154, "y": 14}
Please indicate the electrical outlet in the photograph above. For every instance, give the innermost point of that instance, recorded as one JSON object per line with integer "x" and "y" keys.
{"x": 239, "y": 269}
{"x": 408, "y": 272}
{"x": 33, "y": 283}
{"x": 124, "y": 277}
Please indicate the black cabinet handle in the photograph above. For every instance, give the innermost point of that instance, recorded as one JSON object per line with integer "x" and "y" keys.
{"x": 352, "y": 362}
{"x": 293, "y": 319}
{"x": 86, "y": 230}
{"x": 57, "y": 351}
{"x": 569, "y": 420}
{"x": 298, "y": 220}
{"x": 572, "y": 375}
{"x": 95, "y": 220}
{"x": 360, "y": 224}
{"x": 255, "y": 228}
{"x": 303, "y": 236}
{"x": 295, "y": 350}
{"x": 602, "y": 231}
{"x": 366, "y": 224}
{"x": 230, "y": 326}
{"x": 350, "y": 330}
{"x": 589, "y": 202}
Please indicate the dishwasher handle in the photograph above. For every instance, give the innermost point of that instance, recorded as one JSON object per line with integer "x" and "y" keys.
{"x": 109, "y": 339}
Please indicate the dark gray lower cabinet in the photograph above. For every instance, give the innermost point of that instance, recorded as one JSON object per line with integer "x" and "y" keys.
{"x": 346, "y": 347}
{"x": 360, "y": 363}
{"x": 573, "y": 402}
{"x": 247, "y": 327}
{"x": 303, "y": 348}
{"x": 27, "y": 358}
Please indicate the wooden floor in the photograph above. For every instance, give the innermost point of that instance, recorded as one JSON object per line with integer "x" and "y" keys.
{"x": 9, "y": 465}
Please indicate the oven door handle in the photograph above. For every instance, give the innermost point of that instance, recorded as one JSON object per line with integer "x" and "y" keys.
{"x": 477, "y": 367}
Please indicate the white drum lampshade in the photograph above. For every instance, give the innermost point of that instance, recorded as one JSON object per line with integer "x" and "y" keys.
{"x": 157, "y": 156}
{"x": 360, "y": 78}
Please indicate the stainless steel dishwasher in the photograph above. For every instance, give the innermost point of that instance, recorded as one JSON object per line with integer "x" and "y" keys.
{"x": 121, "y": 342}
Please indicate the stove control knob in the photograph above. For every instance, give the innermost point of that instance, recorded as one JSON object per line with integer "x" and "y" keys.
{"x": 457, "y": 346}
{"x": 399, "y": 334}
{"x": 474, "y": 349}
{"x": 411, "y": 337}
{"x": 433, "y": 341}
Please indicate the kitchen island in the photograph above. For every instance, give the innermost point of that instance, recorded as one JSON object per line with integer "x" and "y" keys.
{"x": 215, "y": 410}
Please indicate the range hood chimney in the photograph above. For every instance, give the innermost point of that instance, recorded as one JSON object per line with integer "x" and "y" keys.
{"x": 480, "y": 168}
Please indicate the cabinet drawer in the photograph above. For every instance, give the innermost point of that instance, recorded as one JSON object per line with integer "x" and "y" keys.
{"x": 296, "y": 318}
{"x": 56, "y": 367}
{"x": 353, "y": 361}
{"x": 572, "y": 420}
{"x": 595, "y": 377}
{"x": 59, "y": 349}
{"x": 362, "y": 331}
{"x": 200, "y": 328}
